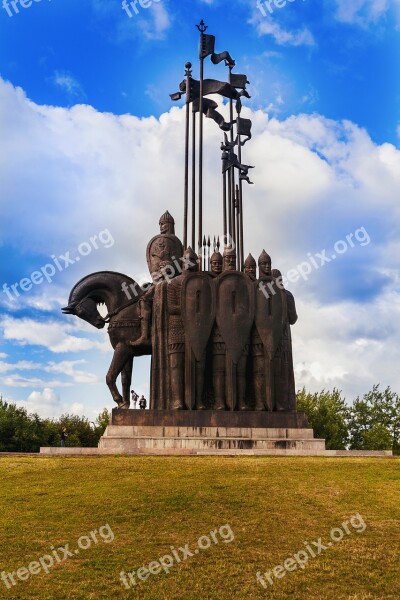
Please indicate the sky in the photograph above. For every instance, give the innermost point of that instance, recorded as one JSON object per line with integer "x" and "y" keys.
{"x": 91, "y": 154}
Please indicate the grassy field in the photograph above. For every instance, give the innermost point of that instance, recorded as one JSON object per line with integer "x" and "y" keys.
{"x": 149, "y": 504}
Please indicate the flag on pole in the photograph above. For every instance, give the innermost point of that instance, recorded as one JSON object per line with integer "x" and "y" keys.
{"x": 244, "y": 128}
{"x": 210, "y": 86}
{"x": 230, "y": 159}
{"x": 239, "y": 81}
{"x": 207, "y": 48}
{"x": 209, "y": 111}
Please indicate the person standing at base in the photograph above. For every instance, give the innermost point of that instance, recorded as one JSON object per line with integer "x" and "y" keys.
{"x": 142, "y": 403}
{"x": 64, "y": 436}
{"x": 135, "y": 397}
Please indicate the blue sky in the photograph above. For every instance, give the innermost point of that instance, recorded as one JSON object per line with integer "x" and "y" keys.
{"x": 84, "y": 104}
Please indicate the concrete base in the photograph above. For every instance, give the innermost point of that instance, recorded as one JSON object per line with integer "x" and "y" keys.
{"x": 194, "y": 432}
{"x": 128, "y": 438}
{"x": 201, "y": 433}
{"x": 82, "y": 452}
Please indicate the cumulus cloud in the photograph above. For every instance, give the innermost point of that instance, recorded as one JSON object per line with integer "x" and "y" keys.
{"x": 68, "y": 83}
{"x": 362, "y": 12}
{"x": 145, "y": 24}
{"x": 55, "y": 336}
{"x": 46, "y": 403}
{"x": 265, "y": 23}
{"x": 317, "y": 181}
{"x": 65, "y": 367}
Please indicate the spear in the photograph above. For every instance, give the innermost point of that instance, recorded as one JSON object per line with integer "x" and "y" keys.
{"x": 238, "y": 215}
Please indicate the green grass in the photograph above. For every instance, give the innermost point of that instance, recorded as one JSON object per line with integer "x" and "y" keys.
{"x": 272, "y": 505}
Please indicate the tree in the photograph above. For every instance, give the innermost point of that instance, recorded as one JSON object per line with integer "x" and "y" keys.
{"x": 80, "y": 431}
{"x": 102, "y": 421}
{"x": 378, "y": 437}
{"x": 327, "y": 414}
{"x": 23, "y": 432}
{"x": 374, "y": 421}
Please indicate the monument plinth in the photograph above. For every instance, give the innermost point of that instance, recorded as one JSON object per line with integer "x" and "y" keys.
{"x": 209, "y": 432}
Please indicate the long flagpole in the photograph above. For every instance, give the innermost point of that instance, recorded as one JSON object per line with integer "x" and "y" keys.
{"x": 193, "y": 179}
{"x": 232, "y": 169}
{"x": 188, "y": 74}
{"x": 202, "y": 28}
{"x": 240, "y": 200}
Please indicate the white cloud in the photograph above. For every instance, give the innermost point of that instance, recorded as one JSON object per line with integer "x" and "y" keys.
{"x": 21, "y": 381}
{"x": 48, "y": 404}
{"x": 68, "y": 83}
{"x": 316, "y": 181}
{"x": 147, "y": 25}
{"x": 53, "y": 335}
{"x": 22, "y": 365}
{"x": 266, "y": 24}
{"x": 362, "y": 12}
{"x": 45, "y": 403}
{"x": 67, "y": 367}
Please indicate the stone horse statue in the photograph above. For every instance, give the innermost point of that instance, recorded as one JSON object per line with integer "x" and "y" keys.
{"x": 105, "y": 287}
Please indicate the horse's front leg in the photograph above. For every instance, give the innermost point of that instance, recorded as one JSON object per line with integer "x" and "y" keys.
{"x": 122, "y": 353}
{"x": 126, "y": 380}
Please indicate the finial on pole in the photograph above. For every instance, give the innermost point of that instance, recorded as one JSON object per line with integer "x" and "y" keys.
{"x": 202, "y": 27}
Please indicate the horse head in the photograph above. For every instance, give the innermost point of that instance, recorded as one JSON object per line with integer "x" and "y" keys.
{"x": 85, "y": 309}
{"x": 113, "y": 289}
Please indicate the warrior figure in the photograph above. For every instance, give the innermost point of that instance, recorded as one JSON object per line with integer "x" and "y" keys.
{"x": 162, "y": 251}
{"x": 250, "y": 267}
{"x": 257, "y": 347}
{"x": 176, "y": 339}
{"x": 220, "y": 358}
{"x": 283, "y": 361}
{"x": 216, "y": 264}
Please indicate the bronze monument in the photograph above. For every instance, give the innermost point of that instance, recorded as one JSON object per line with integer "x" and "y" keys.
{"x": 218, "y": 332}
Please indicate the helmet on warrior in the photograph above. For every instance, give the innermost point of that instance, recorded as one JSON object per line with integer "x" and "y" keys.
{"x": 216, "y": 261}
{"x": 264, "y": 257}
{"x": 264, "y": 263}
{"x": 167, "y": 223}
{"x": 190, "y": 260}
{"x": 229, "y": 258}
{"x": 250, "y": 265}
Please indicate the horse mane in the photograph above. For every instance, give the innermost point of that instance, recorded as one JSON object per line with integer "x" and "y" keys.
{"x": 113, "y": 274}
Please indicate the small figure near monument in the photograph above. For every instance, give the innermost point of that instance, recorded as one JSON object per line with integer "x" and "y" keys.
{"x": 134, "y": 398}
{"x": 142, "y": 403}
{"x": 64, "y": 436}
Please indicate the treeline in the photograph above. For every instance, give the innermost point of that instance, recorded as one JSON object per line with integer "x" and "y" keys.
{"x": 23, "y": 432}
{"x": 370, "y": 423}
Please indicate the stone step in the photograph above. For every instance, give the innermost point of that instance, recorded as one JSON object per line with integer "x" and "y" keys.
{"x": 129, "y": 431}
{"x": 76, "y": 452}
{"x": 208, "y": 443}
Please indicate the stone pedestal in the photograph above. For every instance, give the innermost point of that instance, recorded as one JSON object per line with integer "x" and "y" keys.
{"x": 209, "y": 432}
